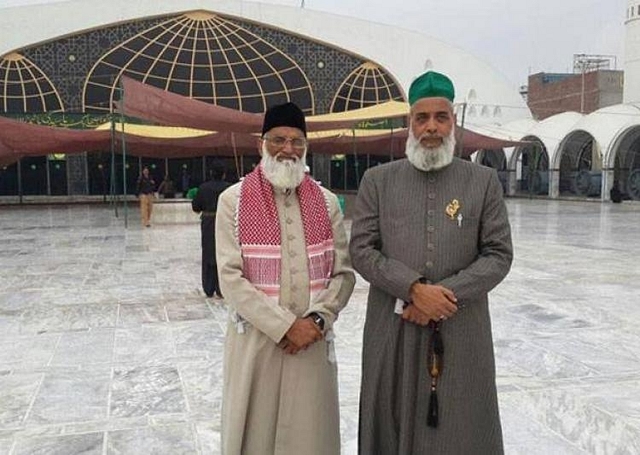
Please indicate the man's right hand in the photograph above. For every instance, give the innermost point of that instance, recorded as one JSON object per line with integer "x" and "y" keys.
{"x": 302, "y": 334}
{"x": 436, "y": 302}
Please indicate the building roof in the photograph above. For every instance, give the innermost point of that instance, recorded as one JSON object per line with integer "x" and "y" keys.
{"x": 405, "y": 53}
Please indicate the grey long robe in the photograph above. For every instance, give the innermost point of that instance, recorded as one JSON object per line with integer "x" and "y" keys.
{"x": 401, "y": 233}
{"x": 275, "y": 403}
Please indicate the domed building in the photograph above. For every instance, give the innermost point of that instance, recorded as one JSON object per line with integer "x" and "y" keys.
{"x": 235, "y": 54}
{"x": 240, "y": 55}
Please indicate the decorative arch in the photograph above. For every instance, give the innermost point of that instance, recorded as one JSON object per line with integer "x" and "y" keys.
{"x": 206, "y": 57}
{"x": 579, "y": 162}
{"x": 367, "y": 85}
{"x": 26, "y": 88}
{"x": 530, "y": 167}
{"x": 624, "y": 163}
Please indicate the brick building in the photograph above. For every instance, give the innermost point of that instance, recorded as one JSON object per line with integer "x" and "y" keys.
{"x": 553, "y": 93}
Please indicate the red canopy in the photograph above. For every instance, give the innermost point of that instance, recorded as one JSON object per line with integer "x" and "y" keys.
{"x": 232, "y": 132}
{"x": 167, "y": 108}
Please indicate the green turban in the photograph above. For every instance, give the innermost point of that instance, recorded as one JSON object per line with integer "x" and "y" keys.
{"x": 192, "y": 193}
{"x": 431, "y": 85}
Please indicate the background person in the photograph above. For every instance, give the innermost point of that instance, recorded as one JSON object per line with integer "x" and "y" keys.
{"x": 205, "y": 202}
{"x": 145, "y": 188}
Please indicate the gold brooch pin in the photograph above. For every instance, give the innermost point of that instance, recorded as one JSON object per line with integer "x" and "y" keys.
{"x": 452, "y": 209}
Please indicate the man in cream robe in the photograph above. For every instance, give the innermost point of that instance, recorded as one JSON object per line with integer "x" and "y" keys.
{"x": 280, "y": 379}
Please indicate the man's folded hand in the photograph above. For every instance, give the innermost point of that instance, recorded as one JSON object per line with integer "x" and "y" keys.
{"x": 436, "y": 302}
{"x": 302, "y": 334}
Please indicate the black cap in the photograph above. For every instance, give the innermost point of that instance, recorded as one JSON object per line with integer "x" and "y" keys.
{"x": 287, "y": 114}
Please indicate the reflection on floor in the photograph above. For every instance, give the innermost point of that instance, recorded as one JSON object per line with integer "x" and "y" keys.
{"x": 107, "y": 344}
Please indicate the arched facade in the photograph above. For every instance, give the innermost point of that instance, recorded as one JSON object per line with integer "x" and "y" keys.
{"x": 545, "y": 137}
{"x": 530, "y": 168}
{"x": 577, "y": 156}
{"x": 203, "y": 55}
{"x": 574, "y": 155}
{"x": 579, "y": 162}
{"x": 607, "y": 128}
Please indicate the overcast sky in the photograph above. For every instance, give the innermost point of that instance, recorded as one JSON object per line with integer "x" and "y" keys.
{"x": 516, "y": 37}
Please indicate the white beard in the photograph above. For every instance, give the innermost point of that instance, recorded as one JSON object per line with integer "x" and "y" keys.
{"x": 430, "y": 159}
{"x": 285, "y": 174}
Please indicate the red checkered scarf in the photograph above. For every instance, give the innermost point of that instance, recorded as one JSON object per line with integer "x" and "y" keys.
{"x": 259, "y": 233}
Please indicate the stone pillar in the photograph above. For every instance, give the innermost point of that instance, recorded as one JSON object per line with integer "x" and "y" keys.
{"x": 607, "y": 183}
{"x": 554, "y": 183}
{"x": 77, "y": 174}
{"x": 512, "y": 182}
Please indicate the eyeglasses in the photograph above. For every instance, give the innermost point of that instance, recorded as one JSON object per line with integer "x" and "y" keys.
{"x": 435, "y": 364}
{"x": 297, "y": 143}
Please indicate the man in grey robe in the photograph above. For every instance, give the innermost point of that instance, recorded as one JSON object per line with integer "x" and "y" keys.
{"x": 285, "y": 273}
{"x": 432, "y": 237}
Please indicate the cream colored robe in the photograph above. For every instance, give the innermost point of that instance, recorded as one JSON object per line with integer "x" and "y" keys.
{"x": 274, "y": 403}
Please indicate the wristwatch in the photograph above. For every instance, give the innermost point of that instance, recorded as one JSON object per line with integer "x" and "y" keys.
{"x": 317, "y": 320}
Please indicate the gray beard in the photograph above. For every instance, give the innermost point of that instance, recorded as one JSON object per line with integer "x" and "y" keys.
{"x": 430, "y": 159}
{"x": 284, "y": 174}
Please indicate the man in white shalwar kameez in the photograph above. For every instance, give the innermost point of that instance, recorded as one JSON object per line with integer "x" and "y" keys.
{"x": 285, "y": 273}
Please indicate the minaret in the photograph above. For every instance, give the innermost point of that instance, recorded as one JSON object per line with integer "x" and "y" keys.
{"x": 631, "y": 92}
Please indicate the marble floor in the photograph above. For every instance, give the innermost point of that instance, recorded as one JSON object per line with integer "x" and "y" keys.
{"x": 108, "y": 346}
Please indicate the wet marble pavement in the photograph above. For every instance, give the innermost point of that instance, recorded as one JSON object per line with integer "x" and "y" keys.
{"x": 108, "y": 346}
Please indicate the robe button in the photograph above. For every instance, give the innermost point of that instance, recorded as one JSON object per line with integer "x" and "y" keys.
{"x": 431, "y": 195}
{"x": 430, "y": 228}
{"x": 289, "y": 221}
{"x": 429, "y": 264}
